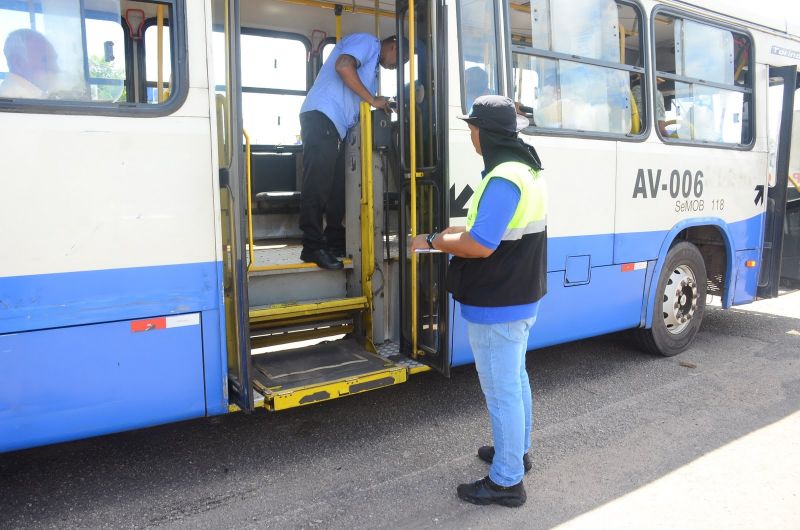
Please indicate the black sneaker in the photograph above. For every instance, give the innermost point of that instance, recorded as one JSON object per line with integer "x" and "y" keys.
{"x": 486, "y": 453}
{"x": 338, "y": 252}
{"x": 484, "y": 492}
{"x": 322, "y": 258}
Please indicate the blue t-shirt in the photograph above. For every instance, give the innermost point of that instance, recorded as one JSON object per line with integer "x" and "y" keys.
{"x": 495, "y": 211}
{"x": 330, "y": 95}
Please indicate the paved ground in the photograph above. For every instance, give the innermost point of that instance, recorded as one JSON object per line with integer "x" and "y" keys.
{"x": 708, "y": 439}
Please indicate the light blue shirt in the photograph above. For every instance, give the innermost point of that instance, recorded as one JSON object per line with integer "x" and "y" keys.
{"x": 330, "y": 95}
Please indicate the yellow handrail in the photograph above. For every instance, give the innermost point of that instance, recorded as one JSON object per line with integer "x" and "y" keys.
{"x": 160, "y": 35}
{"x": 412, "y": 105}
{"x": 251, "y": 245}
{"x": 367, "y": 217}
{"x": 348, "y": 8}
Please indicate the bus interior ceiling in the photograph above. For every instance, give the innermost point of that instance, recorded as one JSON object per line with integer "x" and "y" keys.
{"x": 309, "y": 327}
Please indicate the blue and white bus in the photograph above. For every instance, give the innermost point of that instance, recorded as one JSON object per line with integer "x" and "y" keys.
{"x": 152, "y": 172}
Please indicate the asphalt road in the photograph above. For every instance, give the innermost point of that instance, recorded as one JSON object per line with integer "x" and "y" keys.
{"x": 610, "y": 422}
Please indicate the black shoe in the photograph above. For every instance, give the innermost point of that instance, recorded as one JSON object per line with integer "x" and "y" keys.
{"x": 486, "y": 453}
{"x": 485, "y": 492}
{"x": 322, "y": 258}
{"x": 339, "y": 252}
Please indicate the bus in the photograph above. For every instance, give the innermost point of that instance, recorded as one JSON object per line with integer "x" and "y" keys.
{"x": 152, "y": 175}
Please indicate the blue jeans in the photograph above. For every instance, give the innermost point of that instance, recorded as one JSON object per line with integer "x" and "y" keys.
{"x": 499, "y": 351}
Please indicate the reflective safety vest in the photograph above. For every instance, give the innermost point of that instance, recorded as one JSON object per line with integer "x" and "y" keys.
{"x": 516, "y": 272}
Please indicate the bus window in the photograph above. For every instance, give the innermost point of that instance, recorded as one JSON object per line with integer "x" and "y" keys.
{"x": 274, "y": 85}
{"x": 151, "y": 63}
{"x": 579, "y": 65}
{"x": 704, "y": 76}
{"x": 477, "y": 31}
{"x": 57, "y": 51}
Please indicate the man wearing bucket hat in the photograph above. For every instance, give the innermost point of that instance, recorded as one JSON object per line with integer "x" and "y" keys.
{"x": 498, "y": 275}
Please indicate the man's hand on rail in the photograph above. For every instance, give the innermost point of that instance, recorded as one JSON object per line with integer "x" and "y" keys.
{"x": 380, "y": 102}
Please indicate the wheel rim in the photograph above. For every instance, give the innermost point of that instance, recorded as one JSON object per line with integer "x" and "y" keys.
{"x": 680, "y": 299}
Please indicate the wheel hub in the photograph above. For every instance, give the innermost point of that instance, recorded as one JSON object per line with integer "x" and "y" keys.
{"x": 680, "y": 299}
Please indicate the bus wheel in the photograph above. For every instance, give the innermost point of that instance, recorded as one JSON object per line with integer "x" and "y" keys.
{"x": 678, "y": 312}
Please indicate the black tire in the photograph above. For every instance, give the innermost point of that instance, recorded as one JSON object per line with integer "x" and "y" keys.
{"x": 675, "y": 327}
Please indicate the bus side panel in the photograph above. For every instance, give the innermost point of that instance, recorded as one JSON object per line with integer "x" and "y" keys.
{"x": 69, "y": 383}
{"x": 746, "y": 277}
{"x": 611, "y": 301}
{"x": 215, "y": 362}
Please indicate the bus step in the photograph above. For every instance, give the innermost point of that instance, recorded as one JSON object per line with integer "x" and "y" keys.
{"x": 298, "y": 311}
{"x": 324, "y": 371}
{"x": 281, "y": 257}
{"x": 279, "y": 335}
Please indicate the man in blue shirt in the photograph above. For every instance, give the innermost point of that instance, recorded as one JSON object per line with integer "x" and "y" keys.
{"x": 330, "y": 109}
{"x": 498, "y": 275}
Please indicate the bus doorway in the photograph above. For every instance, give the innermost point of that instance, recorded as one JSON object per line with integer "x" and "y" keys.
{"x": 781, "y": 254}
{"x": 300, "y": 334}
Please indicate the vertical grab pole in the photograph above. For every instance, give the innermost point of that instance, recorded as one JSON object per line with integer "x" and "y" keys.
{"x": 160, "y": 83}
{"x": 337, "y": 10}
{"x": 367, "y": 219}
{"x": 251, "y": 245}
{"x": 412, "y": 105}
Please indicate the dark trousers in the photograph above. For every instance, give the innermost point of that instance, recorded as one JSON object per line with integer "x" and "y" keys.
{"x": 323, "y": 182}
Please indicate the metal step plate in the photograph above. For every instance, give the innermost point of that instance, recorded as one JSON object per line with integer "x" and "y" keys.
{"x": 325, "y": 371}
{"x": 391, "y": 352}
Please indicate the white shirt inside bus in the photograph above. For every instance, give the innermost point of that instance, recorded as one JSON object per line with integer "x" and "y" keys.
{"x": 16, "y": 86}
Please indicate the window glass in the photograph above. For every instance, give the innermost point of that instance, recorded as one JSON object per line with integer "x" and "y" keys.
{"x": 272, "y": 119}
{"x": 220, "y": 65}
{"x": 478, "y": 34}
{"x": 105, "y": 41}
{"x": 706, "y": 53}
{"x": 273, "y": 62}
{"x": 794, "y": 152}
{"x": 587, "y": 28}
{"x": 571, "y": 94}
{"x": 704, "y": 113}
{"x": 691, "y": 56}
{"x": 51, "y": 52}
{"x": 151, "y": 62}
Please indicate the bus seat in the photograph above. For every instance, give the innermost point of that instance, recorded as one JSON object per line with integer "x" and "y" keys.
{"x": 276, "y": 173}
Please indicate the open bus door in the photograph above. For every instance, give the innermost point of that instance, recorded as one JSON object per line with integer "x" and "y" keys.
{"x": 782, "y": 229}
{"x": 232, "y": 198}
{"x": 423, "y": 205}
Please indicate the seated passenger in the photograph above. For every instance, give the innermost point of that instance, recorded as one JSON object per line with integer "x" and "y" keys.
{"x": 661, "y": 110}
{"x": 476, "y": 84}
{"x": 32, "y": 63}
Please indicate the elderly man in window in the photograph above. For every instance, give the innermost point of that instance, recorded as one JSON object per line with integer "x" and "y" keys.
{"x": 32, "y": 64}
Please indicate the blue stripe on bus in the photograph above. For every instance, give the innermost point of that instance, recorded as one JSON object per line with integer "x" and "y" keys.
{"x": 611, "y": 301}
{"x": 614, "y": 300}
{"x": 73, "y": 298}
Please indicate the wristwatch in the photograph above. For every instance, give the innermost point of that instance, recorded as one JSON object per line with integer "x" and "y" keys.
{"x": 430, "y": 239}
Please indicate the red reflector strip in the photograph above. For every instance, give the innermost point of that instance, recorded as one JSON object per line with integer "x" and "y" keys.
{"x": 750, "y": 264}
{"x": 148, "y": 324}
{"x": 629, "y": 267}
{"x": 176, "y": 321}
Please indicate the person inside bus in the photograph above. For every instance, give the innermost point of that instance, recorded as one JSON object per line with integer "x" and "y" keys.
{"x": 330, "y": 109}
{"x": 476, "y": 84}
{"x": 661, "y": 111}
{"x": 32, "y": 64}
{"x": 498, "y": 275}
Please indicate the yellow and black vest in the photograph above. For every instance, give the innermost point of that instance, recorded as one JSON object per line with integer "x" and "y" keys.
{"x": 516, "y": 272}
